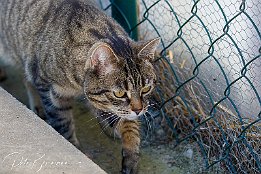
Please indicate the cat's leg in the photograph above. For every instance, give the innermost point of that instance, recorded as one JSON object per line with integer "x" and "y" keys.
{"x": 130, "y": 136}
{"x": 58, "y": 110}
{"x": 35, "y": 103}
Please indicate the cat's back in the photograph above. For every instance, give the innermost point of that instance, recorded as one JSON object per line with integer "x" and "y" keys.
{"x": 19, "y": 22}
{"x": 26, "y": 23}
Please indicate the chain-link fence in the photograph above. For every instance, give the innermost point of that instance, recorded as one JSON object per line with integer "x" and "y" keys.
{"x": 209, "y": 73}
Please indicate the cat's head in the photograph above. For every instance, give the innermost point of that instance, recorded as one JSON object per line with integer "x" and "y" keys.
{"x": 120, "y": 77}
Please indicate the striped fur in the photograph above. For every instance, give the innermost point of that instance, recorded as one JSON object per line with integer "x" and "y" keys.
{"x": 68, "y": 48}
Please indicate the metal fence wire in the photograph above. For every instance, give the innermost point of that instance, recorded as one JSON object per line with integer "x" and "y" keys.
{"x": 209, "y": 73}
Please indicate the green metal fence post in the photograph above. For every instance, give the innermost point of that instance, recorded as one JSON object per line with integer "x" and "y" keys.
{"x": 125, "y": 12}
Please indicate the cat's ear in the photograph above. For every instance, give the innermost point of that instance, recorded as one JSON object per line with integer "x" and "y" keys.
{"x": 149, "y": 49}
{"x": 102, "y": 59}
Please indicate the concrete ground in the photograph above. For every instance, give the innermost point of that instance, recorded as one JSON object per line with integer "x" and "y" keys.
{"x": 28, "y": 145}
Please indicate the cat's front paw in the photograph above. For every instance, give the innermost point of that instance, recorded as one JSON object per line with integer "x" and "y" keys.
{"x": 129, "y": 162}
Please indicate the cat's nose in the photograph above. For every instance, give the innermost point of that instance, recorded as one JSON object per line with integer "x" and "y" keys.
{"x": 137, "y": 111}
{"x": 136, "y": 105}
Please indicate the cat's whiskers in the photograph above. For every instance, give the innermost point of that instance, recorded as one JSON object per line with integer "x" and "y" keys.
{"x": 119, "y": 124}
{"x": 146, "y": 109}
{"x": 154, "y": 107}
{"x": 152, "y": 120}
{"x": 108, "y": 124}
{"x": 148, "y": 117}
{"x": 149, "y": 128}
{"x": 107, "y": 118}
{"x": 92, "y": 119}
{"x": 97, "y": 116}
{"x": 102, "y": 120}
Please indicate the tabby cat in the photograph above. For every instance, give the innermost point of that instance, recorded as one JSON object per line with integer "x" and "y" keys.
{"x": 68, "y": 48}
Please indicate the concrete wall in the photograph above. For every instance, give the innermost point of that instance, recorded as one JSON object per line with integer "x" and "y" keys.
{"x": 29, "y": 145}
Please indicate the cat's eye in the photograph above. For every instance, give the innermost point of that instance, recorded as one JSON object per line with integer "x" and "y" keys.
{"x": 119, "y": 94}
{"x": 146, "y": 89}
